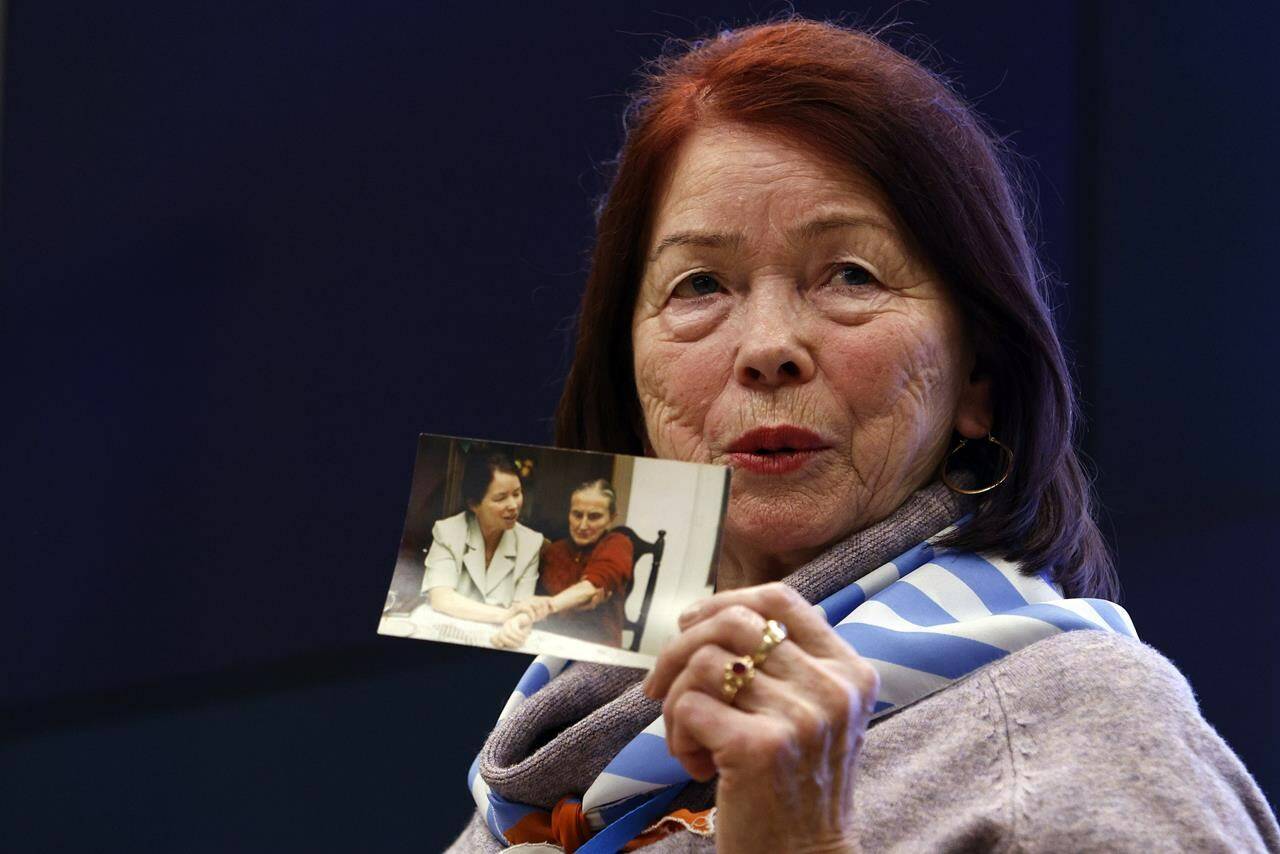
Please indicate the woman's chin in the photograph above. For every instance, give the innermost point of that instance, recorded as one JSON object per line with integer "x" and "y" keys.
{"x": 781, "y": 527}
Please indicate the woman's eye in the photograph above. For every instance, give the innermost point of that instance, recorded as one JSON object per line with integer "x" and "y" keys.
{"x": 697, "y": 285}
{"x": 853, "y": 275}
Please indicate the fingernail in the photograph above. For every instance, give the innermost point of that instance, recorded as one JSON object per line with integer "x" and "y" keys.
{"x": 690, "y": 614}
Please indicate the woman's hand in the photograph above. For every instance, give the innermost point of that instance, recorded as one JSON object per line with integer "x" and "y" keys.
{"x": 786, "y": 745}
{"x": 537, "y": 607}
{"x": 514, "y": 632}
{"x": 599, "y": 597}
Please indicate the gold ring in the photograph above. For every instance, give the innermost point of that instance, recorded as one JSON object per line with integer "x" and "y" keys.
{"x": 737, "y": 672}
{"x": 774, "y": 634}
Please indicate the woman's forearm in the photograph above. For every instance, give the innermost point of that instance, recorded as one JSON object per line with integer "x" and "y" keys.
{"x": 454, "y": 604}
{"x": 571, "y": 597}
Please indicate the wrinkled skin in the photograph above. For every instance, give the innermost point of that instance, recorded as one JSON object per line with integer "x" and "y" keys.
{"x": 841, "y": 330}
{"x": 589, "y": 517}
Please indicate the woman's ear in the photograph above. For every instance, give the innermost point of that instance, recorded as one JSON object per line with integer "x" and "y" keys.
{"x": 974, "y": 413}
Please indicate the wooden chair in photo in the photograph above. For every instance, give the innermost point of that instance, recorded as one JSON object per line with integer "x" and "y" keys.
{"x": 639, "y": 548}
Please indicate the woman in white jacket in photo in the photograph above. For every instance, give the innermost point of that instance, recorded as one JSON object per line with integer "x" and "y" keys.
{"x": 483, "y": 560}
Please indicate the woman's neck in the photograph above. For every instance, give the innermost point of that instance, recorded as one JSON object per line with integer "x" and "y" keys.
{"x": 491, "y": 539}
{"x": 744, "y": 566}
{"x": 575, "y": 546}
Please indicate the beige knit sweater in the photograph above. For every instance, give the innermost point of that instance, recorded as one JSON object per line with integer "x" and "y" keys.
{"x": 1084, "y": 741}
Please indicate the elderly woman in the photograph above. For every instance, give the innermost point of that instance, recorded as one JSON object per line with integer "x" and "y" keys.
{"x": 811, "y": 267}
{"x": 482, "y": 559}
{"x": 583, "y": 578}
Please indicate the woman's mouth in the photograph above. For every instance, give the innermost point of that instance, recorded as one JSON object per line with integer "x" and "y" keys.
{"x": 775, "y": 450}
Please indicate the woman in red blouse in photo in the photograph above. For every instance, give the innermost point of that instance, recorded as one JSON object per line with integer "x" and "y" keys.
{"x": 582, "y": 579}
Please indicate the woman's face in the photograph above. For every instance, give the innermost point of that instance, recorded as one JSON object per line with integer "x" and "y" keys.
{"x": 500, "y": 508}
{"x": 784, "y": 328}
{"x": 589, "y": 516}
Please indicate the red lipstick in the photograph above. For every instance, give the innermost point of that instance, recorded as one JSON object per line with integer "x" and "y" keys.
{"x": 775, "y": 450}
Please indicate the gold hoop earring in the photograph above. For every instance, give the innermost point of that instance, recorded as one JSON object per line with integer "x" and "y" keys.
{"x": 1008, "y": 467}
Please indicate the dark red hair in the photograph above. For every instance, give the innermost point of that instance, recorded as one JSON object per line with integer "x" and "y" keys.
{"x": 856, "y": 102}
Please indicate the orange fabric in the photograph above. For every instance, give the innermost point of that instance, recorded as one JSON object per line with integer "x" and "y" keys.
{"x": 565, "y": 826}
{"x": 535, "y": 827}
{"x": 701, "y": 822}
{"x": 607, "y": 565}
{"x": 570, "y": 825}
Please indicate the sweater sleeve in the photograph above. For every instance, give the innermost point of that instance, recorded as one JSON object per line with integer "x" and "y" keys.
{"x": 609, "y": 566}
{"x": 1109, "y": 752}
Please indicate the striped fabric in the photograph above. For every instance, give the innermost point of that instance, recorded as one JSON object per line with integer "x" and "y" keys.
{"x": 923, "y": 620}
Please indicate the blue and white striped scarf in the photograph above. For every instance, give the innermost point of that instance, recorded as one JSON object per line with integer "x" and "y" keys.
{"x": 924, "y": 620}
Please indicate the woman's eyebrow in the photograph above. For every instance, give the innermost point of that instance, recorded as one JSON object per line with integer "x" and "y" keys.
{"x": 696, "y": 238}
{"x": 823, "y": 224}
{"x": 800, "y": 233}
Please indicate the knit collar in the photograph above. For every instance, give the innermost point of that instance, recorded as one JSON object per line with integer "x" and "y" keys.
{"x": 559, "y": 740}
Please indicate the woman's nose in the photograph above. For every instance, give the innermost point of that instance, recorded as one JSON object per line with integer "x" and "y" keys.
{"x": 772, "y": 353}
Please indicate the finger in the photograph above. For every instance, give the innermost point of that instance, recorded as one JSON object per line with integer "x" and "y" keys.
{"x": 842, "y": 683}
{"x": 704, "y": 668}
{"x": 720, "y": 732}
{"x": 791, "y": 684}
{"x": 509, "y": 639}
{"x": 777, "y": 723}
{"x": 735, "y": 628}
{"x": 764, "y": 694}
{"x": 806, "y": 625}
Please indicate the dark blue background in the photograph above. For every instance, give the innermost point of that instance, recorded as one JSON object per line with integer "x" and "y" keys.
{"x": 252, "y": 249}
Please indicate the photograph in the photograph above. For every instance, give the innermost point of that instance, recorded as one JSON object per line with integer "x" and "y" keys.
{"x": 584, "y": 556}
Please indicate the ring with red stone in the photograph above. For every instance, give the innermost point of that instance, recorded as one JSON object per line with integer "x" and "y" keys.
{"x": 737, "y": 672}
